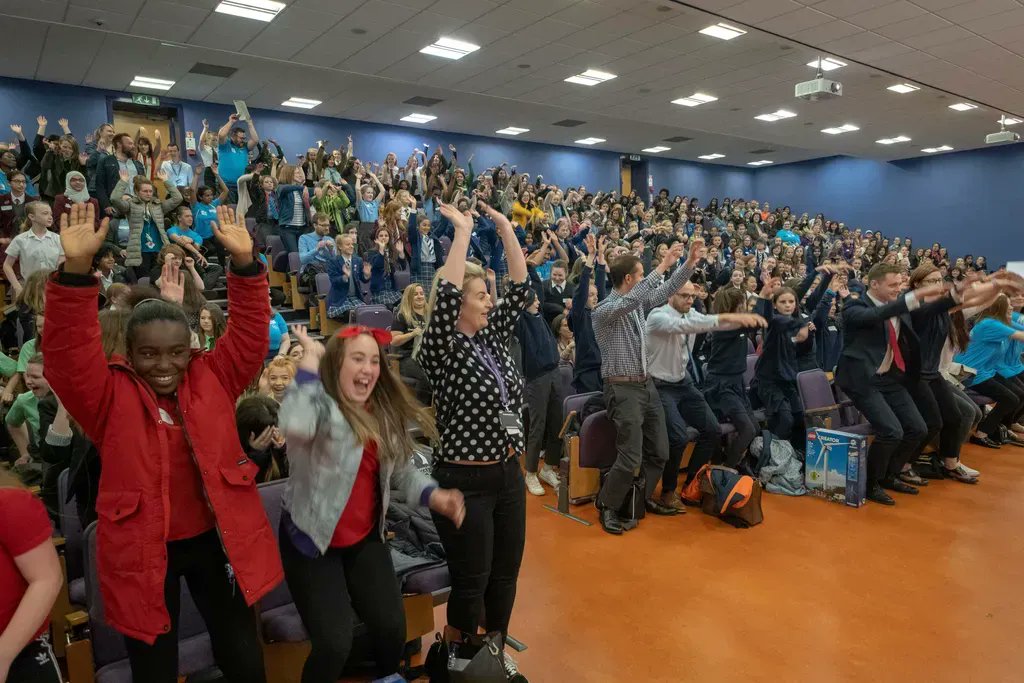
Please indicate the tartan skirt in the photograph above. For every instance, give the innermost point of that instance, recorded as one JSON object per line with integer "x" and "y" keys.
{"x": 424, "y": 277}
{"x": 341, "y": 312}
{"x": 386, "y": 296}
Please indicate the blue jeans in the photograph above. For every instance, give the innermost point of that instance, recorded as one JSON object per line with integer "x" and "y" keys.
{"x": 289, "y": 235}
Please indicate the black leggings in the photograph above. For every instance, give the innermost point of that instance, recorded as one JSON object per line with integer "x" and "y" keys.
{"x": 333, "y": 591}
{"x": 485, "y": 553}
{"x": 1009, "y": 397}
{"x": 229, "y": 621}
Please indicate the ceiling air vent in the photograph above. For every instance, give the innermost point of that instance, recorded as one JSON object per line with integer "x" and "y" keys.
{"x": 423, "y": 101}
{"x": 212, "y": 70}
{"x": 568, "y": 123}
{"x": 678, "y": 138}
{"x": 766, "y": 150}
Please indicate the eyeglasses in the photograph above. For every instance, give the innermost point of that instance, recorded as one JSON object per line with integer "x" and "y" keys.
{"x": 686, "y": 296}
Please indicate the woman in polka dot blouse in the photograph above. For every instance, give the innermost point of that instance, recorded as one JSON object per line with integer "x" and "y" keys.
{"x": 478, "y": 395}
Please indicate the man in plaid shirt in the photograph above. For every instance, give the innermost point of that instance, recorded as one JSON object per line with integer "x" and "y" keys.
{"x": 630, "y": 397}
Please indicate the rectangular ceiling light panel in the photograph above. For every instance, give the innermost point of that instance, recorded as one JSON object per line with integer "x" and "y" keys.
{"x": 709, "y": 157}
{"x": 419, "y": 118}
{"x": 723, "y": 31}
{"x": 151, "y": 83}
{"x": 695, "y": 100}
{"x": 449, "y": 48}
{"x": 512, "y": 130}
{"x": 589, "y": 141}
{"x": 827, "y": 64}
{"x": 656, "y": 150}
{"x": 590, "y": 77}
{"x": 260, "y": 10}
{"x": 301, "y": 103}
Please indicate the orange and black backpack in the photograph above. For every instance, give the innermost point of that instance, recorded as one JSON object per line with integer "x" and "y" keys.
{"x": 725, "y": 493}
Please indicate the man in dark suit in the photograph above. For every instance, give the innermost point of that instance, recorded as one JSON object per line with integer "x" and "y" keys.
{"x": 556, "y": 291}
{"x": 881, "y": 356}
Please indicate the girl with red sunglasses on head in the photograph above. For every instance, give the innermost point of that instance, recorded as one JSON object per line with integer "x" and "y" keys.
{"x": 346, "y": 420}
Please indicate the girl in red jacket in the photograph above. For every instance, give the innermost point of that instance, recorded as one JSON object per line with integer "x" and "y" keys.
{"x": 177, "y": 495}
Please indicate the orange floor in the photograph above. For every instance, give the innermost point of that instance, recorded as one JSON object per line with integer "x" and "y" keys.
{"x": 931, "y": 590}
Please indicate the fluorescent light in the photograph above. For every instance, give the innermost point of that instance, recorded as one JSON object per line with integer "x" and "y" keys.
{"x": 827, "y": 64}
{"x": 418, "y": 118}
{"x": 709, "y": 157}
{"x": 723, "y": 31}
{"x": 512, "y": 130}
{"x": 695, "y": 99}
{"x": 656, "y": 150}
{"x": 261, "y": 10}
{"x": 1008, "y": 121}
{"x": 893, "y": 141}
{"x": 300, "y": 103}
{"x": 151, "y": 83}
{"x": 903, "y": 88}
{"x": 762, "y": 162}
{"x": 963, "y": 106}
{"x": 589, "y": 141}
{"x": 845, "y": 128}
{"x": 776, "y": 115}
{"x": 590, "y": 77}
{"x": 450, "y": 48}
{"x": 933, "y": 150}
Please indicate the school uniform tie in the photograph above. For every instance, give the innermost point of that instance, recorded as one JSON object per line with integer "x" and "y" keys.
{"x": 894, "y": 344}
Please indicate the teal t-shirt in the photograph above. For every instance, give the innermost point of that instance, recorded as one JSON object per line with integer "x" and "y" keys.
{"x": 151, "y": 241}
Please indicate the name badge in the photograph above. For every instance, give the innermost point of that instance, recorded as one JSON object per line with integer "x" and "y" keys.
{"x": 7, "y": 208}
{"x": 833, "y": 328}
{"x": 510, "y": 422}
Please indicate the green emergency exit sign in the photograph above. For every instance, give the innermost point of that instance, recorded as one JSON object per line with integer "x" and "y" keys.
{"x": 148, "y": 100}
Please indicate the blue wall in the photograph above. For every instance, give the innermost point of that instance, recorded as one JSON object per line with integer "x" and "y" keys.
{"x": 21, "y": 101}
{"x": 967, "y": 200}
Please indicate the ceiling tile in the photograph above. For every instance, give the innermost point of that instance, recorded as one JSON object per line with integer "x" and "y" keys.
{"x": 844, "y": 8}
{"x": 336, "y": 44}
{"x": 907, "y": 28}
{"x": 834, "y": 30}
{"x": 118, "y": 6}
{"x": 585, "y": 13}
{"x": 977, "y": 9}
{"x": 160, "y": 30}
{"x": 88, "y": 17}
{"x": 855, "y": 43}
{"x": 225, "y": 32}
{"x": 753, "y": 11}
{"x": 65, "y": 57}
{"x": 432, "y": 26}
{"x": 508, "y": 18}
{"x": 934, "y": 5}
{"x": 543, "y": 7}
{"x": 797, "y": 20}
{"x": 885, "y": 15}
{"x": 272, "y": 49}
{"x": 940, "y": 37}
{"x": 996, "y": 22}
{"x": 161, "y": 11}
{"x": 46, "y": 10}
{"x": 466, "y": 10}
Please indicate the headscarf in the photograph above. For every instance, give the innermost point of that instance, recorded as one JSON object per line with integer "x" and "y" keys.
{"x": 76, "y": 197}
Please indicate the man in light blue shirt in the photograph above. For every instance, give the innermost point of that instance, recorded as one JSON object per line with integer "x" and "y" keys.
{"x": 233, "y": 153}
{"x": 316, "y": 247}
{"x": 179, "y": 173}
{"x": 670, "y": 335}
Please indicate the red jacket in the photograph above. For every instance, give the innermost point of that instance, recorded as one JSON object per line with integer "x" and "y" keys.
{"x": 119, "y": 412}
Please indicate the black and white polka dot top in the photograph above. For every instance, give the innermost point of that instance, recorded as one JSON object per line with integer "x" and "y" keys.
{"x": 466, "y": 395}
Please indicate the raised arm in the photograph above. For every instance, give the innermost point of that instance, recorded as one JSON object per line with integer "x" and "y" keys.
{"x": 254, "y": 137}
{"x": 225, "y": 130}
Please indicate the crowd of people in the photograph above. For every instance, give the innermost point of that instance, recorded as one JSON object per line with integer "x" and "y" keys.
{"x": 655, "y": 301}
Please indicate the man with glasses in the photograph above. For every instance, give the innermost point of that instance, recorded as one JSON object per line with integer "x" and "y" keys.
{"x": 671, "y": 333}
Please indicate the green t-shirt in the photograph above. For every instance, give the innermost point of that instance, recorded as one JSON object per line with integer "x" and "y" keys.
{"x": 24, "y": 409}
{"x": 8, "y": 366}
{"x": 28, "y": 349}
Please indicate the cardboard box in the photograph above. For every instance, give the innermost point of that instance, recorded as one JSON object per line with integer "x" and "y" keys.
{"x": 836, "y": 466}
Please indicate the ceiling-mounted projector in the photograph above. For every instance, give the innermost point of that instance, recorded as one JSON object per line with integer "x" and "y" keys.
{"x": 1002, "y": 136}
{"x": 819, "y": 89}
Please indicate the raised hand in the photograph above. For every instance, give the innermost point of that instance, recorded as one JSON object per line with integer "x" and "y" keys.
{"x": 172, "y": 283}
{"x": 233, "y": 118}
{"x": 233, "y": 236}
{"x": 672, "y": 256}
{"x": 63, "y": 123}
{"x": 83, "y": 158}
{"x": 206, "y": 123}
{"x": 190, "y": 263}
{"x": 80, "y": 238}
{"x": 314, "y": 350}
{"x": 16, "y": 129}
{"x": 123, "y": 174}
{"x": 162, "y": 175}
{"x": 461, "y": 222}
{"x": 501, "y": 221}
{"x": 41, "y": 120}
{"x": 697, "y": 251}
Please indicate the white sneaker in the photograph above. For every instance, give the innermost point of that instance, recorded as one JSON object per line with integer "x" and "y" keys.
{"x": 969, "y": 471}
{"x": 512, "y": 670}
{"x": 549, "y": 476}
{"x": 533, "y": 484}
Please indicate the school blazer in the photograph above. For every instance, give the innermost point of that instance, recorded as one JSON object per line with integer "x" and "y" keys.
{"x": 865, "y": 341}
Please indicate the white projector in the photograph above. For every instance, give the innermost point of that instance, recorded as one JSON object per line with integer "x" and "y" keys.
{"x": 1002, "y": 136}
{"x": 819, "y": 89}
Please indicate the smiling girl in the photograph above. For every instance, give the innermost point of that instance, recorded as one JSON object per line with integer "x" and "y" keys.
{"x": 177, "y": 495}
{"x": 346, "y": 421}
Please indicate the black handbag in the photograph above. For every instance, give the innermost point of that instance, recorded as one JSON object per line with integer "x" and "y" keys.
{"x": 459, "y": 657}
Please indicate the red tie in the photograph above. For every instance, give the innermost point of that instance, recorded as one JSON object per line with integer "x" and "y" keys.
{"x": 894, "y": 344}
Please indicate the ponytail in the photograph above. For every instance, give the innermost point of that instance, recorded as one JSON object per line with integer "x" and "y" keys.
{"x": 30, "y": 209}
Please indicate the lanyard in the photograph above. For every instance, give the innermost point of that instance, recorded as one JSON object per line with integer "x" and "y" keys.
{"x": 483, "y": 354}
